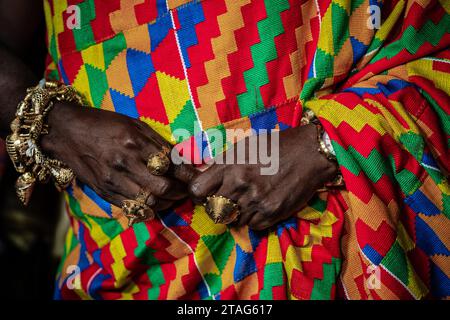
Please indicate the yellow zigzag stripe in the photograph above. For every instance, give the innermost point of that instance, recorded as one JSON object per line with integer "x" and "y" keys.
{"x": 424, "y": 68}
{"x": 446, "y": 5}
{"x": 94, "y": 56}
{"x": 174, "y": 94}
{"x": 394, "y": 124}
{"x": 97, "y": 233}
{"x": 325, "y": 42}
{"x": 118, "y": 267}
{"x": 81, "y": 83}
{"x": 417, "y": 287}
{"x": 357, "y": 118}
{"x": 58, "y": 22}
{"x": 298, "y": 58}
{"x": 386, "y": 27}
{"x": 218, "y": 68}
{"x": 162, "y": 129}
{"x": 360, "y": 116}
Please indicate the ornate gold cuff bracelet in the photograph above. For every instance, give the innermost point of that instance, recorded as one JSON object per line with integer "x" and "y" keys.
{"x": 23, "y": 143}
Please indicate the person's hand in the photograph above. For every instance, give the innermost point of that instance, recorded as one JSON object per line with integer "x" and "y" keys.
{"x": 265, "y": 200}
{"x": 109, "y": 151}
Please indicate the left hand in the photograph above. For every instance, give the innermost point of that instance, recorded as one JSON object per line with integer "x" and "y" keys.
{"x": 265, "y": 200}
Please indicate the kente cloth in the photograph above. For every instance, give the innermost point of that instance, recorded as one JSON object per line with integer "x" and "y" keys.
{"x": 374, "y": 72}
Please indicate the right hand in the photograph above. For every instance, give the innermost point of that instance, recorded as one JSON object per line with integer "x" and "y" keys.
{"x": 109, "y": 151}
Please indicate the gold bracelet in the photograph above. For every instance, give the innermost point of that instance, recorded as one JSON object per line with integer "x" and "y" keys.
{"x": 27, "y": 128}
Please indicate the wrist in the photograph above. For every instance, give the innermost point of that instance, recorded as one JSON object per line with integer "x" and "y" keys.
{"x": 325, "y": 168}
{"x": 58, "y": 119}
{"x": 27, "y": 129}
{"x": 325, "y": 148}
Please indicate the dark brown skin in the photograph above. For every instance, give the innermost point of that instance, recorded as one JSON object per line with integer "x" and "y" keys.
{"x": 108, "y": 151}
{"x": 21, "y": 38}
{"x": 265, "y": 200}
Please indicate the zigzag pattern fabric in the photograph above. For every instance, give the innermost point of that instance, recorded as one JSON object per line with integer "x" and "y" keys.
{"x": 382, "y": 94}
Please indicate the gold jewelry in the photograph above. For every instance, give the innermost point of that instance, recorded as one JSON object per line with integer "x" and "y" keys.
{"x": 137, "y": 210}
{"x": 27, "y": 128}
{"x": 323, "y": 149}
{"x": 221, "y": 209}
{"x": 338, "y": 180}
{"x": 310, "y": 118}
{"x": 158, "y": 163}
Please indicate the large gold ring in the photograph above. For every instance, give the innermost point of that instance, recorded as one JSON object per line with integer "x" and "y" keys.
{"x": 158, "y": 163}
{"x": 137, "y": 210}
{"x": 221, "y": 209}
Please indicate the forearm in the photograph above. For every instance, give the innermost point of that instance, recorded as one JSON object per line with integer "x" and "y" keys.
{"x": 15, "y": 78}
{"x": 22, "y": 53}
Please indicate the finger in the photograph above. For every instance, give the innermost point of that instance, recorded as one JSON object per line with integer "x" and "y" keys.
{"x": 258, "y": 222}
{"x": 116, "y": 189}
{"x": 161, "y": 186}
{"x": 179, "y": 170}
{"x": 230, "y": 191}
{"x": 150, "y": 143}
{"x": 207, "y": 182}
{"x": 246, "y": 214}
{"x": 244, "y": 218}
{"x": 158, "y": 204}
{"x": 171, "y": 189}
{"x": 113, "y": 199}
{"x": 183, "y": 172}
{"x": 248, "y": 203}
{"x": 132, "y": 167}
{"x": 153, "y": 143}
{"x": 128, "y": 190}
{"x": 164, "y": 188}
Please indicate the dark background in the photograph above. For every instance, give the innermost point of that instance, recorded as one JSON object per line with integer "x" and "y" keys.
{"x": 28, "y": 256}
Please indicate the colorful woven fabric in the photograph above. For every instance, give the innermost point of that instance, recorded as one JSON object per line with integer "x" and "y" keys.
{"x": 383, "y": 96}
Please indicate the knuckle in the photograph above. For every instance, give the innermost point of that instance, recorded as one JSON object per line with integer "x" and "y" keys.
{"x": 265, "y": 209}
{"x": 195, "y": 189}
{"x": 260, "y": 226}
{"x": 108, "y": 181}
{"x": 276, "y": 207}
{"x": 254, "y": 225}
{"x": 254, "y": 195}
{"x": 103, "y": 193}
{"x": 129, "y": 140}
{"x": 151, "y": 201}
{"x": 119, "y": 162}
{"x": 164, "y": 187}
{"x": 266, "y": 212}
{"x": 240, "y": 175}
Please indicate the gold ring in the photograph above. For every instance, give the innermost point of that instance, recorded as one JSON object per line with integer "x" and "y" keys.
{"x": 137, "y": 210}
{"x": 158, "y": 163}
{"x": 221, "y": 209}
